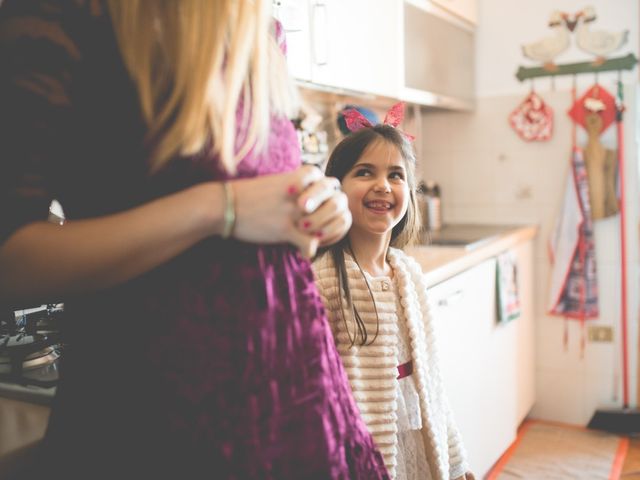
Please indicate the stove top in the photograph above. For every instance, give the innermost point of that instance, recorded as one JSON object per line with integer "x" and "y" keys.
{"x": 30, "y": 349}
{"x": 26, "y": 360}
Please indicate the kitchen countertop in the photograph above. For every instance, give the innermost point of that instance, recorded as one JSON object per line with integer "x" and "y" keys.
{"x": 440, "y": 262}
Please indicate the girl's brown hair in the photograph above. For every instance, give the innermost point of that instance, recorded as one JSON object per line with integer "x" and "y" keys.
{"x": 342, "y": 159}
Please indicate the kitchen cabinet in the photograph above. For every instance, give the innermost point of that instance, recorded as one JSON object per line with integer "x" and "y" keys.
{"x": 294, "y": 16}
{"x": 439, "y": 58}
{"x": 351, "y": 45}
{"x": 412, "y": 50}
{"x": 487, "y": 367}
{"x": 464, "y": 9}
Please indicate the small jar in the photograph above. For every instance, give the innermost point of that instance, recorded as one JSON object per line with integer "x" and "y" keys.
{"x": 434, "y": 206}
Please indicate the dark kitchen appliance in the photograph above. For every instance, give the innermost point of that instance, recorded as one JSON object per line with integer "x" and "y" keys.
{"x": 30, "y": 347}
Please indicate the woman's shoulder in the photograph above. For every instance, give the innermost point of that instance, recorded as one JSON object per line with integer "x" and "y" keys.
{"x": 57, "y": 30}
{"x": 48, "y": 10}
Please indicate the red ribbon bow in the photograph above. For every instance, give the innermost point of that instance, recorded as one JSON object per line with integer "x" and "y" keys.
{"x": 356, "y": 121}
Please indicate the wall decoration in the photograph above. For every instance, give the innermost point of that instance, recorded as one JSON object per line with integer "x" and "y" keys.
{"x": 532, "y": 119}
{"x": 599, "y": 43}
{"x": 595, "y": 111}
{"x": 596, "y": 99}
{"x": 548, "y": 48}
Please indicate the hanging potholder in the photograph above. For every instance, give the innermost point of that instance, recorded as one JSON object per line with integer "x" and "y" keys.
{"x": 596, "y": 99}
{"x": 532, "y": 119}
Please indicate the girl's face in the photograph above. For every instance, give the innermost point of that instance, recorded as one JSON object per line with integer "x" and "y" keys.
{"x": 377, "y": 190}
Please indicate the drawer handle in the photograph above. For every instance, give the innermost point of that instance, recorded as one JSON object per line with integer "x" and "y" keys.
{"x": 452, "y": 299}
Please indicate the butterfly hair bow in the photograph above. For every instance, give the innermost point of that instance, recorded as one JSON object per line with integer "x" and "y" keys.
{"x": 356, "y": 121}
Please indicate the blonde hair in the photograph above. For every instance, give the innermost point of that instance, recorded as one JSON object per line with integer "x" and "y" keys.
{"x": 192, "y": 62}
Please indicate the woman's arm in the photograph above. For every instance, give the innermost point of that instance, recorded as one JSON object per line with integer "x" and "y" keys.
{"x": 42, "y": 261}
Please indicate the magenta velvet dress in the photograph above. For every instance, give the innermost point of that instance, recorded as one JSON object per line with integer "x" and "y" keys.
{"x": 218, "y": 364}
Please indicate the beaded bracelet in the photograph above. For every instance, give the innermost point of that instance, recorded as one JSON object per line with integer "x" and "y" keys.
{"x": 229, "y": 210}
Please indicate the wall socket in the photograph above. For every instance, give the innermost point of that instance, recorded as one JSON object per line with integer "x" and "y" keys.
{"x": 600, "y": 334}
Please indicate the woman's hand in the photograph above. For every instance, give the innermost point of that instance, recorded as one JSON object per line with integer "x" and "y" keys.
{"x": 274, "y": 209}
{"x": 326, "y": 211}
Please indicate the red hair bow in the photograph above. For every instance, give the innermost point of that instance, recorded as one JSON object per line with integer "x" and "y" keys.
{"x": 356, "y": 121}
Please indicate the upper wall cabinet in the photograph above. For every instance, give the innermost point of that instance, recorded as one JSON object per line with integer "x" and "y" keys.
{"x": 294, "y": 16}
{"x": 356, "y": 44}
{"x": 439, "y": 57}
{"x": 346, "y": 44}
{"x": 413, "y": 50}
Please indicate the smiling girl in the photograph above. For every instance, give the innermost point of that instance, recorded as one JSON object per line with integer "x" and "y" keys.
{"x": 376, "y": 301}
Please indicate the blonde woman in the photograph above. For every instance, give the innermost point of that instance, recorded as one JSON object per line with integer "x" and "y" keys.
{"x": 197, "y": 343}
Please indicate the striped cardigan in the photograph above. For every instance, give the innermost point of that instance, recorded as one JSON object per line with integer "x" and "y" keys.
{"x": 372, "y": 369}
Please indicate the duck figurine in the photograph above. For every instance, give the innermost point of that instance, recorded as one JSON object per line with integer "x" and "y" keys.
{"x": 546, "y": 49}
{"x": 600, "y": 42}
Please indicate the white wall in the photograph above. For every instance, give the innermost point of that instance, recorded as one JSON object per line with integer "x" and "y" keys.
{"x": 489, "y": 175}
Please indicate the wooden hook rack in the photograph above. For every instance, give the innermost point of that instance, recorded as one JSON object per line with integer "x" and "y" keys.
{"x": 621, "y": 63}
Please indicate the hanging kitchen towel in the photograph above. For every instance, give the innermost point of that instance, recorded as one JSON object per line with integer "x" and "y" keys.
{"x": 574, "y": 289}
{"x": 508, "y": 301}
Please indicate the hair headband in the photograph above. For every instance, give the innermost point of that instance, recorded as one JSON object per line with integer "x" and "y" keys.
{"x": 356, "y": 121}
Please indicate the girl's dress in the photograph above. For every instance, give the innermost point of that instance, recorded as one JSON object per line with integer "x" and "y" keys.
{"x": 218, "y": 364}
{"x": 409, "y": 417}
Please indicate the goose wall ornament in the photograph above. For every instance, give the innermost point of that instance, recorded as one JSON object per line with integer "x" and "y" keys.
{"x": 600, "y": 42}
{"x": 546, "y": 49}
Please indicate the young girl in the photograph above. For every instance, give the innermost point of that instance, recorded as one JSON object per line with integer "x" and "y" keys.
{"x": 377, "y": 306}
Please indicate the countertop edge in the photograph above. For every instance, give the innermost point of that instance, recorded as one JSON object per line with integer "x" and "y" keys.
{"x": 455, "y": 260}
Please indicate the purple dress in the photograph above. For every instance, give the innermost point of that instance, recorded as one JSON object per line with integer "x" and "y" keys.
{"x": 218, "y": 364}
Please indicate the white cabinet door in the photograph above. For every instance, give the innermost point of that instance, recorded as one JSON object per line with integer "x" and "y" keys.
{"x": 346, "y": 44}
{"x": 475, "y": 356}
{"x": 294, "y": 16}
{"x": 356, "y": 44}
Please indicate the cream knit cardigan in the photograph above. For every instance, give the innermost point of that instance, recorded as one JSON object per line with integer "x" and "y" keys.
{"x": 372, "y": 369}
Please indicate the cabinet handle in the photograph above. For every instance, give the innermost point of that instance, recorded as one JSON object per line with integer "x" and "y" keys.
{"x": 452, "y": 299}
{"x": 319, "y": 36}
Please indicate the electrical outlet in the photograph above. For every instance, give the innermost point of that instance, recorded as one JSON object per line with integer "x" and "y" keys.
{"x": 600, "y": 334}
